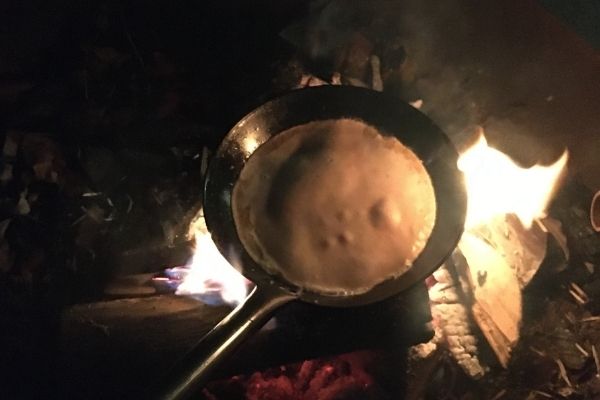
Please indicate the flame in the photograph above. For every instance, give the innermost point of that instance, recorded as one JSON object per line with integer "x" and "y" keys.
{"x": 496, "y": 185}
{"x": 209, "y": 275}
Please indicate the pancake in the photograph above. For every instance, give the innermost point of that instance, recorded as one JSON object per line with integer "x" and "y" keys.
{"x": 334, "y": 206}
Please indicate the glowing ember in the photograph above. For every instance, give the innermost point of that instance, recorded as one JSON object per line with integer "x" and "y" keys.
{"x": 497, "y": 186}
{"x": 209, "y": 275}
{"x": 346, "y": 376}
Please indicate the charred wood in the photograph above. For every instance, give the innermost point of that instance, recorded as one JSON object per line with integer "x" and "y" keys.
{"x": 117, "y": 348}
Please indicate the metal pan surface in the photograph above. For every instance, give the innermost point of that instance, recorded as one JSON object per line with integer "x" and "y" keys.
{"x": 389, "y": 116}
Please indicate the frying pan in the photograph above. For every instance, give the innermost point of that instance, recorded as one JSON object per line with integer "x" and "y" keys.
{"x": 391, "y": 117}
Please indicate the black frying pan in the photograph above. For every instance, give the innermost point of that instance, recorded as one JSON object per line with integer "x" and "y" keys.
{"x": 390, "y": 116}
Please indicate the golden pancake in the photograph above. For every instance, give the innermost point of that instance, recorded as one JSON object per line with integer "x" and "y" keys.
{"x": 334, "y": 207}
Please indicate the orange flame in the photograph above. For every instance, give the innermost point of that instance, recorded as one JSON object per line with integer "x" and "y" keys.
{"x": 496, "y": 185}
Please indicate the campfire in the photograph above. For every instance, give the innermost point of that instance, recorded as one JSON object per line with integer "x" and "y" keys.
{"x": 503, "y": 200}
{"x": 501, "y": 250}
{"x": 109, "y": 275}
{"x": 208, "y": 274}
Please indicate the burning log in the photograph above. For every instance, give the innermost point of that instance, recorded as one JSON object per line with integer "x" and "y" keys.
{"x": 119, "y": 345}
{"x": 522, "y": 249}
{"x": 495, "y": 295}
{"x": 123, "y": 346}
{"x": 453, "y": 321}
{"x": 497, "y": 256}
{"x": 481, "y": 287}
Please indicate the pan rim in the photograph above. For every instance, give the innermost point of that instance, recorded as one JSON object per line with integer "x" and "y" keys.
{"x": 390, "y": 116}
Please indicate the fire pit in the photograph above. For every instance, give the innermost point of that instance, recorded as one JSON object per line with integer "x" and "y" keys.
{"x": 112, "y": 113}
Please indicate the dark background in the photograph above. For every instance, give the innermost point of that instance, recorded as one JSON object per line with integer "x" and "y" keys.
{"x": 581, "y": 15}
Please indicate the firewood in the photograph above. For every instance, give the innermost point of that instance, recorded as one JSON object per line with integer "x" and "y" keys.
{"x": 128, "y": 343}
{"x": 482, "y": 284}
{"x": 454, "y": 327}
{"x": 522, "y": 249}
{"x": 496, "y": 294}
{"x": 123, "y": 346}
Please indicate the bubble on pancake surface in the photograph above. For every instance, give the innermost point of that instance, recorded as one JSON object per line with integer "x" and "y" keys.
{"x": 384, "y": 214}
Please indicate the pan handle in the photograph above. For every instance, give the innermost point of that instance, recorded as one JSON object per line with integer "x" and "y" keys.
{"x": 192, "y": 372}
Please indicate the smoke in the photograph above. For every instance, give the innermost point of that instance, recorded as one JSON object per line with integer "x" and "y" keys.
{"x": 424, "y": 30}
{"x": 472, "y": 63}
